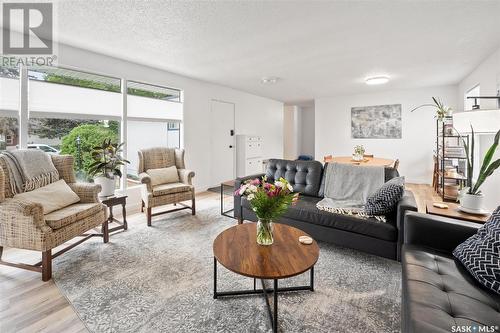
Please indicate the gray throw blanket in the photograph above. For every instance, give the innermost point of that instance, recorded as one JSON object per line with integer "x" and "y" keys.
{"x": 347, "y": 188}
{"x": 29, "y": 169}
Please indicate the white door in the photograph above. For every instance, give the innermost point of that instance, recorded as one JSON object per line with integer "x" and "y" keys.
{"x": 222, "y": 143}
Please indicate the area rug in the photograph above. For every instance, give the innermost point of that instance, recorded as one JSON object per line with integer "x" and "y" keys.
{"x": 160, "y": 279}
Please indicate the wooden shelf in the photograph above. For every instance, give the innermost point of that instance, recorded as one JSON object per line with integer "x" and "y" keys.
{"x": 458, "y": 177}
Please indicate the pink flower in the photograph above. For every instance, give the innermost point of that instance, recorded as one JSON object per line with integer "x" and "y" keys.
{"x": 255, "y": 181}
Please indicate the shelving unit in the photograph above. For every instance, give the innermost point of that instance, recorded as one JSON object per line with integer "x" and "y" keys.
{"x": 451, "y": 160}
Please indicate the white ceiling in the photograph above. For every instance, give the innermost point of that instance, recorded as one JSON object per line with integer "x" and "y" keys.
{"x": 317, "y": 48}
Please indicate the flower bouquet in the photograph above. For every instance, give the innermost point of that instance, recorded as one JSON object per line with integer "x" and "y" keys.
{"x": 269, "y": 201}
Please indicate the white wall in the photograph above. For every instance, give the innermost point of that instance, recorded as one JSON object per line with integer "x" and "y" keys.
{"x": 254, "y": 114}
{"x": 307, "y": 129}
{"x": 487, "y": 75}
{"x": 291, "y": 132}
{"x": 414, "y": 149}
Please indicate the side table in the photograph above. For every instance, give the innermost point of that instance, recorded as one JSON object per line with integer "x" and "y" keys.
{"x": 223, "y": 185}
{"x": 453, "y": 212}
{"x": 110, "y": 202}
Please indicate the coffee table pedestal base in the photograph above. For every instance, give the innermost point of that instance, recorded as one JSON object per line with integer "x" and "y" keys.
{"x": 273, "y": 314}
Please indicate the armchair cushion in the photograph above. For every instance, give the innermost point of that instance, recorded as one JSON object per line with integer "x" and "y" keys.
{"x": 70, "y": 214}
{"x": 52, "y": 197}
{"x": 163, "y": 175}
{"x": 171, "y": 188}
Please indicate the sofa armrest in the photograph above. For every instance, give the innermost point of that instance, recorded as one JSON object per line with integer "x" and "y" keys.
{"x": 406, "y": 204}
{"x": 86, "y": 191}
{"x": 186, "y": 176}
{"x": 436, "y": 232}
{"x": 237, "y": 198}
{"x": 22, "y": 225}
{"x": 146, "y": 179}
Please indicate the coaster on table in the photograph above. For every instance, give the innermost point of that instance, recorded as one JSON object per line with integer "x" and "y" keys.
{"x": 305, "y": 240}
{"x": 440, "y": 205}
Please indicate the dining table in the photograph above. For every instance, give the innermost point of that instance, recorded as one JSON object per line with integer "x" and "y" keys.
{"x": 369, "y": 161}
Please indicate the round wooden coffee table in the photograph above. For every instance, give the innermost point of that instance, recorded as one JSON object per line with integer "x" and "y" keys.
{"x": 237, "y": 250}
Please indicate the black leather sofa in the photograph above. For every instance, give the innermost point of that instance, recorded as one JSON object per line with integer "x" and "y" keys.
{"x": 306, "y": 177}
{"x": 439, "y": 295}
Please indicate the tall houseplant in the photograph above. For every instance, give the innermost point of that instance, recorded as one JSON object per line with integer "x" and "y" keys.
{"x": 107, "y": 160}
{"x": 441, "y": 109}
{"x": 269, "y": 201}
{"x": 471, "y": 197}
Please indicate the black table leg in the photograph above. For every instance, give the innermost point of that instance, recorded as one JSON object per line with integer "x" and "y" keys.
{"x": 275, "y": 316}
{"x": 312, "y": 278}
{"x": 215, "y": 278}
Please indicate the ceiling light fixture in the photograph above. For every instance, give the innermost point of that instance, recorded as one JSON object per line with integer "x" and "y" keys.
{"x": 269, "y": 80}
{"x": 377, "y": 80}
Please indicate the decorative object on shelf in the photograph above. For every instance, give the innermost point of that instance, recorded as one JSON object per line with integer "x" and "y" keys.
{"x": 376, "y": 122}
{"x": 442, "y": 110}
{"x": 106, "y": 166}
{"x": 269, "y": 201}
{"x": 471, "y": 198}
{"x": 359, "y": 152}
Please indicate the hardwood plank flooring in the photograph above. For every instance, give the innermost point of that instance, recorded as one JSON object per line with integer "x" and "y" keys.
{"x": 29, "y": 305}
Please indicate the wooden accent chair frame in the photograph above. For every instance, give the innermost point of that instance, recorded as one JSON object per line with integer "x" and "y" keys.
{"x": 165, "y": 194}
{"x": 23, "y": 224}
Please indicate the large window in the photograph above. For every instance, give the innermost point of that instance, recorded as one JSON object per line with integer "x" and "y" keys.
{"x": 72, "y": 111}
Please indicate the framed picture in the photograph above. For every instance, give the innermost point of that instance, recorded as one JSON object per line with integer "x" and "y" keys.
{"x": 376, "y": 122}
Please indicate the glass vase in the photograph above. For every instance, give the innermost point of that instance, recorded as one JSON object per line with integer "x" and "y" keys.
{"x": 264, "y": 232}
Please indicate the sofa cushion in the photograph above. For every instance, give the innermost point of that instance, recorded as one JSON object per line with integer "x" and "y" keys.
{"x": 70, "y": 214}
{"x": 163, "y": 175}
{"x": 171, "y": 188}
{"x": 306, "y": 210}
{"x": 480, "y": 254}
{"x": 386, "y": 198}
{"x": 304, "y": 176}
{"x": 52, "y": 197}
{"x": 439, "y": 294}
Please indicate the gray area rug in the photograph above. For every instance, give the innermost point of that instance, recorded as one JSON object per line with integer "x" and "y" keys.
{"x": 160, "y": 279}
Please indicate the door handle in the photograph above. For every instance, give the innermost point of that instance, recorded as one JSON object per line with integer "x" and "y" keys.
{"x": 230, "y": 146}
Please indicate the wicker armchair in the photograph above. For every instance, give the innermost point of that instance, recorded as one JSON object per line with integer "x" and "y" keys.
{"x": 23, "y": 224}
{"x": 164, "y": 194}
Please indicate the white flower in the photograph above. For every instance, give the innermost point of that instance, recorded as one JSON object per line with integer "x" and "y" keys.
{"x": 252, "y": 188}
{"x": 289, "y": 187}
{"x": 279, "y": 184}
{"x": 251, "y": 196}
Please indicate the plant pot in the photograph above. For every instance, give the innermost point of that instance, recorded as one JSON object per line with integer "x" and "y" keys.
{"x": 107, "y": 185}
{"x": 472, "y": 202}
{"x": 264, "y": 232}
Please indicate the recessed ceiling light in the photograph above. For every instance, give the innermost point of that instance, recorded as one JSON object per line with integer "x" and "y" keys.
{"x": 269, "y": 80}
{"x": 377, "y": 80}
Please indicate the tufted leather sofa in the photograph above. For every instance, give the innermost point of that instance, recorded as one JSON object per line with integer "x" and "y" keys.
{"x": 307, "y": 178}
{"x": 439, "y": 295}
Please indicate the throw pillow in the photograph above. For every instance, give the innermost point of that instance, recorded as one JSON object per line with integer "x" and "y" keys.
{"x": 480, "y": 254}
{"x": 385, "y": 199}
{"x": 163, "y": 175}
{"x": 52, "y": 197}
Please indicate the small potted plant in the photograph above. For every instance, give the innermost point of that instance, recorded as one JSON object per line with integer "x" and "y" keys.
{"x": 471, "y": 198}
{"x": 106, "y": 165}
{"x": 442, "y": 110}
{"x": 359, "y": 152}
{"x": 269, "y": 201}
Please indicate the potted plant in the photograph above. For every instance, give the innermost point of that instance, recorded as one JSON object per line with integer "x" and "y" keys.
{"x": 441, "y": 109}
{"x": 471, "y": 198}
{"x": 269, "y": 201}
{"x": 106, "y": 165}
{"x": 359, "y": 152}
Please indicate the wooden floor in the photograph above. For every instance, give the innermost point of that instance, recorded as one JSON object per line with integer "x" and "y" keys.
{"x": 29, "y": 305}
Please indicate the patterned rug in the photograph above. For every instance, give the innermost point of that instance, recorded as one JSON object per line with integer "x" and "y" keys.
{"x": 160, "y": 279}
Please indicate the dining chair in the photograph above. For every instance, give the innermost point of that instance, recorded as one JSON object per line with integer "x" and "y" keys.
{"x": 396, "y": 164}
{"x": 435, "y": 174}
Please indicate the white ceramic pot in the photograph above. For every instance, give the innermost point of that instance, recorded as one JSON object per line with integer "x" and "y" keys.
{"x": 472, "y": 201}
{"x": 107, "y": 185}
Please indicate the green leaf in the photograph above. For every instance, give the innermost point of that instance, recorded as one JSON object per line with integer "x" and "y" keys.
{"x": 488, "y": 172}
